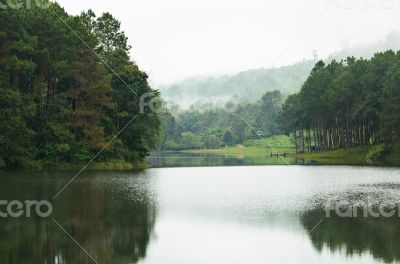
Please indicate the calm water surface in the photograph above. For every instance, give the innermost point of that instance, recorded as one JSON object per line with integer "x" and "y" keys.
{"x": 263, "y": 214}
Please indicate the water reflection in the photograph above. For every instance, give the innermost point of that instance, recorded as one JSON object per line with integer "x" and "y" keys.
{"x": 96, "y": 212}
{"x": 180, "y": 159}
{"x": 202, "y": 215}
{"x": 379, "y": 237}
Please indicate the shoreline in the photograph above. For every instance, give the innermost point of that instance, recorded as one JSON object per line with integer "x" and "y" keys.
{"x": 358, "y": 156}
{"x": 363, "y": 156}
{"x": 94, "y": 166}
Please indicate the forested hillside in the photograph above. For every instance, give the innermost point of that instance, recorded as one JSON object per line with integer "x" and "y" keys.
{"x": 61, "y": 103}
{"x": 287, "y": 79}
{"x": 212, "y": 126}
{"x": 345, "y": 104}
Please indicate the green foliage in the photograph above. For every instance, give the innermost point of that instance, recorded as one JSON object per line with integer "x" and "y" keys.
{"x": 211, "y": 142}
{"x": 217, "y": 126}
{"x": 59, "y": 102}
{"x": 191, "y": 141}
{"x": 287, "y": 79}
{"x": 347, "y": 104}
{"x": 228, "y": 138}
{"x": 378, "y": 153}
{"x": 15, "y": 137}
{"x": 280, "y": 141}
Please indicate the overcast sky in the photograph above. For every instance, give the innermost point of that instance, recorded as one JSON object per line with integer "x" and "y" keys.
{"x": 175, "y": 39}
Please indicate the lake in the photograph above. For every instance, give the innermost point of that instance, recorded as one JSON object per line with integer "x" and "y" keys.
{"x": 219, "y": 214}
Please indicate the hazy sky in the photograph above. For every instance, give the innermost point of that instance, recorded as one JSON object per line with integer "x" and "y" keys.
{"x": 175, "y": 39}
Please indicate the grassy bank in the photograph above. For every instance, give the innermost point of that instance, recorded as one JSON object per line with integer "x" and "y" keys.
{"x": 339, "y": 157}
{"x": 280, "y": 144}
{"x": 243, "y": 150}
{"x": 109, "y": 165}
{"x": 370, "y": 155}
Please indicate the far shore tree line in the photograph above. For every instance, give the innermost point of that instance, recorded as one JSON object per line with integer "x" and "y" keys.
{"x": 351, "y": 103}
{"x": 343, "y": 104}
{"x": 209, "y": 126}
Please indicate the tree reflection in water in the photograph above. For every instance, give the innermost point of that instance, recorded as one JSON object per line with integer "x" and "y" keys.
{"x": 378, "y": 236}
{"x": 111, "y": 227}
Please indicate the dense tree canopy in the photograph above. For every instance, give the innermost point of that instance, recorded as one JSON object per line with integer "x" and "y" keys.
{"x": 68, "y": 86}
{"x": 212, "y": 126}
{"x": 345, "y": 104}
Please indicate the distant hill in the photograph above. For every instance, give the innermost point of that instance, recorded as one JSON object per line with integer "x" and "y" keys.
{"x": 287, "y": 79}
{"x": 392, "y": 41}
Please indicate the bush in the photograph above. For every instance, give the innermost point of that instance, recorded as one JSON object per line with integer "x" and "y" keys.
{"x": 378, "y": 153}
